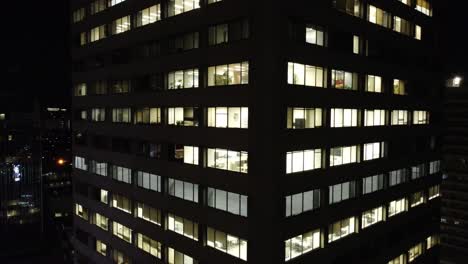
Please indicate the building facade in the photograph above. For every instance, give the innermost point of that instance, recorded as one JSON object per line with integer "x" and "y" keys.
{"x": 454, "y": 188}
{"x": 225, "y": 131}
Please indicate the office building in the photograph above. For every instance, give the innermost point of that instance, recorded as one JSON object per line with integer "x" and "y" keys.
{"x": 222, "y": 131}
{"x": 454, "y": 188}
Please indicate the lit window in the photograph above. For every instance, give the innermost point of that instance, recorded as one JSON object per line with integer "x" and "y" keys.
{"x": 79, "y": 14}
{"x": 303, "y": 160}
{"x": 101, "y": 248}
{"x": 302, "y": 202}
{"x": 374, "y": 84}
{"x": 148, "y": 213}
{"x": 98, "y": 6}
{"x": 229, "y": 74}
{"x": 122, "y": 203}
{"x": 80, "y": 163}
{"x": 432, "y": 241}
{"x": 121, "y": 115}
{"x": 114, "y": 2}
{"x": 120, "y": 86}
{"x": 343, "y": 117}
{"x": 97, "y": 33}
{"x": 300, "y": 74}
{"x": 344, "y": 80}
{"x": 434, "y": 192}
{"x": 399, "y": 87}
{"x": 121, "y": 174}
{"x": 351, "y": 7}
{"x": 341, "y": 192}
{"x": 374, "y": 117}
{"x": 397, "y": 206}
{"x": 420, "y": 117}
{"x": 401, "y": 25}
{"x": 98, "y": 114}
{"x": 81, "y": 211}
{"x": 182, "y": 226}
{"x": 397, "y": 177}
{"x": 341, "y": 229}
{"x": 147, "y": 116}
{"x": 101, "y": 221}
{"x": 374, "y": 150}
{"x": 302, "y": 244}
{"x": 103, "y": 196}
{"x": 418, "y": 171}
{"x": 176, "y": 257}
{"x": 189, "y": 154}
{"x": 416, "y": 199}
{"x": 379, "y": 16}
{"x": 372, "y": 217}
{"x": 399, "y": 117}
{"x": 148, "y": 15}
{"x": 228, "y": 117}
{"x": 182, "y": 116}
{"x": 224, "y": 159}
{"x": 434, "y": 167}
{"x": 343, "y": 155}
{"x": 176, "y": 7}
{"x": 182, "y": 79}
{"x": 122, "y": 231}
{"x": 227, "y": 243}
{"x": 97, "y": 167}
{"x": 424, "y": 7}
{"x": 149, "y": 245}
{"x": 315, "y": 35}
{"x": 183, "y": 190}
{"x": 149, "y": 181}
{"x": 300, "y": 118}
{"x": 119, "y": 257}
{"x": 356, "y": 45}
{"x": 372, "y": 184}
{"x": 406, "y": 2}
{"x": 227, "y": 201}
{"x": 121, "y": 25}
{"x": 415, "y": 252}
{"x": 417, "y": 32}
{"x": 402, "y": 258}
{"x": 213, "y": 1}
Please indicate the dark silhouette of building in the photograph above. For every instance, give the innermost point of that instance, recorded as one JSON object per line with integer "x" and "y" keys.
{"x": 454, "y": 229}
{"x": 240, "y": 131}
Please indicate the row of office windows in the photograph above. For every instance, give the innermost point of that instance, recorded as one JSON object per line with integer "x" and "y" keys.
{"x": 238, "y": 117}
{"x": 316, "y": 76}
{"x": 237, "y": 204}
{"x": 219, "y": 117}
{"x": 145, "y": 243}
{"x": 216, "y": 239}
{"x": 306, "y": 160}
{"x": 173, "y": 7}
{"x": 303, "y": 202}
{"x": 417, "y": 250}
{"x": 217, "y": 34}
{"x": 218, "y": 75}
{"x": 356, "y": 7}
{"x": 223, "y": 200}
{"x": 312, "y": 240}
{"x": 302, "y": 118}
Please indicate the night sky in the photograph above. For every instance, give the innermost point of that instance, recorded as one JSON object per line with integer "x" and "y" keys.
{"x": 35, "y": 52}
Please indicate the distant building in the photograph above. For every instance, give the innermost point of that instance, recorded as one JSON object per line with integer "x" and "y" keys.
{"x": 255, "y": 131}
{"x": 454, "y": 222}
